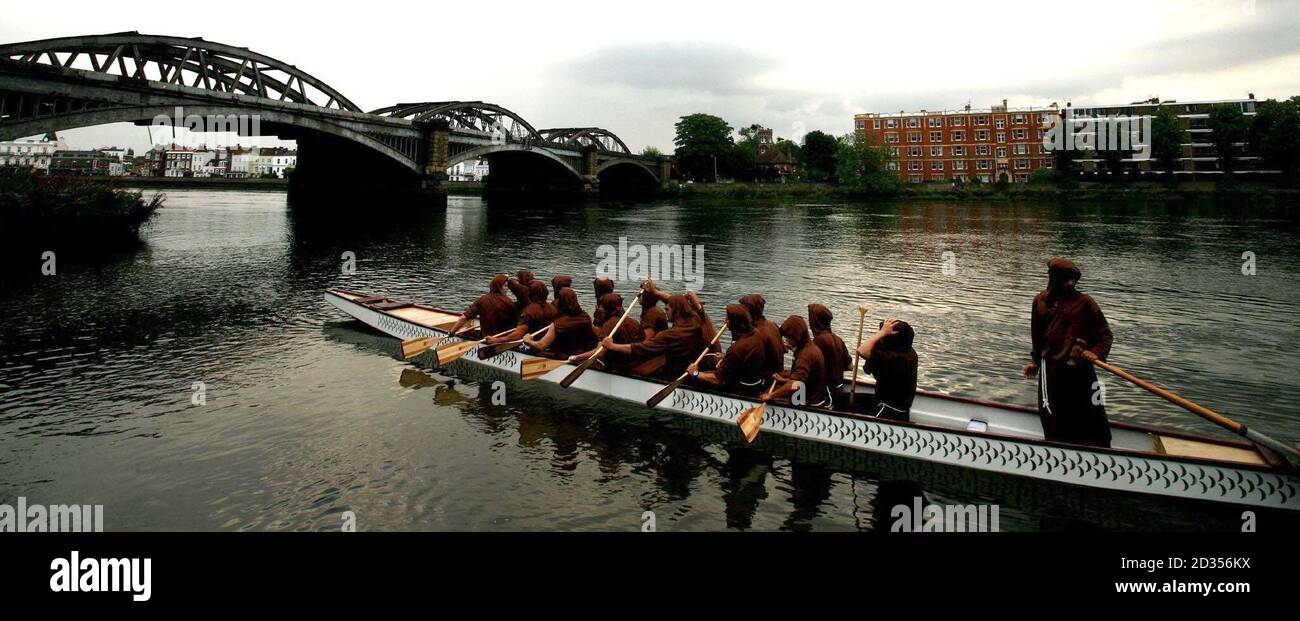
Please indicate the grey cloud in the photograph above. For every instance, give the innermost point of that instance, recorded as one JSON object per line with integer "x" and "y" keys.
{"x": 694, "y": 66}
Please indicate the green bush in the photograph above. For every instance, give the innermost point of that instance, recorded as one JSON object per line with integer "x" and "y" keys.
{"x": 1045, "y": 175}
{"x": 38, "y": 209}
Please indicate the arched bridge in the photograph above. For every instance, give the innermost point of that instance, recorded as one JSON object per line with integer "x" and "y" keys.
{"x": 71, "y": 82}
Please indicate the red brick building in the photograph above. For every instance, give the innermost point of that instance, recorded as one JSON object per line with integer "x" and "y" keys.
{"x": 965, "y": 144}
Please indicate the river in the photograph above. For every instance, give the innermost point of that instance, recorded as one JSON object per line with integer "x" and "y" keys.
{"x": 201, "y": 383}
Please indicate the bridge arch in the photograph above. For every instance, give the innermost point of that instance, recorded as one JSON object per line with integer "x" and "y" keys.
{"x": 184, "y": 61}
{"x": 578, "y": 137}
{"x": 488, "y": 120}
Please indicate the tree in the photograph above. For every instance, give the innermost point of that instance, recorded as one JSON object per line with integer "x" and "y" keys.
{"x": 861, "y": 167}
{"x": 651, "y": 152}
{"x": 1274, "y": 134}
{"x": 1228, "y": 128}
{"x": 1166, "y": 140}
{"x": 818, "y": 155}
{"x": 700, "y": 139}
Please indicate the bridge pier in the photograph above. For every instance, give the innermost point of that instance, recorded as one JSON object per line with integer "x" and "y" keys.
{"x": 335, "y": 175}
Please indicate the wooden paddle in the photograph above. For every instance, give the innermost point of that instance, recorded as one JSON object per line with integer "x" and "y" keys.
{"x": 534, "y": 368}
{"x": 414, "y": 347}
{"x": 751, "y": 420}
{"x": 488, "y": 351}
{"x": 668, "y": 390}
{"x": 862, "y": 323}
{"x": 1289, "y": 453}
{"x": 448, "y": 354}
{"x": 586, "y": 364}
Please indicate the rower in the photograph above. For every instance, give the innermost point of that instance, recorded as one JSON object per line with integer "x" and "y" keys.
{"x": 697, "y": 308}
{"x": 834, "y": 351}
{"x": 572, "y": 333}
{"x": 679, "y": 345}
{"x": 653, "y": 318}
{"x": 768, "y": 330}
{"x": 560, "y": 282}
{"x": 611, "y": 307}
{"x": 744, "y": 369}
{"x": 537, "y": 315}
{"x": 519, "y": 286}
{"x": 1064, "y": 323}
{"x": 808, "y": 371}
{"x": 888, "y": 356}
{"x": 601, "y": 286}
{"x": 494, "y": 309}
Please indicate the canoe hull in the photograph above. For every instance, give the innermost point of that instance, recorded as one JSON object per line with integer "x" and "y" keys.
{"x": 1008, "y": 449}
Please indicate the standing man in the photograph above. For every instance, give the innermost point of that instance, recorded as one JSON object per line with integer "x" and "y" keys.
{"x": 834, "y": 351}
{"x": 888, "y": 356}
{"x": 1064, "y": 323}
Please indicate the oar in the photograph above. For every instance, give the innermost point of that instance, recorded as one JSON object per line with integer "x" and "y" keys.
{"x": 1287, "y": 452}
{"x": 489, "y": 351}
{"x": 448, "y": 354}
{"x": 582, "y": 368}
{"x": 862, "y": 322}
{"x": 668, "y": 390}
{"x": 534, "y": 368}
{"x": 751, "y": 420}
{"x": 414, "y": 347}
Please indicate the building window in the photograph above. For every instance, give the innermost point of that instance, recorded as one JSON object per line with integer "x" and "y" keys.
{"x": 959, "y": 151}
{"x": 936, "y": 121}
{"x": 891, "y": 165}
{"x": 1018, "y": 119}
{"x": 891, "y": 123}
{"x": 891, "y": 138}
{"x": 914, "y": 152}
{"x": 936, "y": 165}
{"x": 914, "y": 165}
{"x": 914, "y": 136}
{"x": 959, "y": 165}
{"x": 936, "y": 136}
{"x": 875, "y": 124}
{"x": 914, "y": 178}
{"x": 1001, "y": 123}
{"x": 1019, "y": 134}
{"x": 1002, "y": 136}
{"x": 981, "y": 120}
{"x": 958, "y": 136}
{"x": 982, "y": 134}
{"x": 936, "y": 151}
{"x": 1020, "y": 149}
{"x": 983, "y": 164}
{"x": 893, "y": 151}
{"x": 861, "y": 125}
{"x": 958, "y": 121}
{"x": 913, "y": 122}
{"x": 1002, "y": 165}
{"x": 982, "y": 149}
{"x": 1002, "y": 151}
{"x": 1022, "y": 164}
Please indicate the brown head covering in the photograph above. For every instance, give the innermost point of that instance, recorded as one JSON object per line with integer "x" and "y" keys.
{"x": 560, "y": 282}
{"x": 537, "y": 292}
{"x": 819, "y": 318}
{"x": 567, "y": 302}
{"x": 1063, "y": 267}
{"x": 901, "y": 340}
{"x": 755, "y": 303}
{"x": 525, "y": 277}
{"x": 498, "y": 282}
{"x": 612, "y": 304}
{"x": 795, "y": 329}
{"x": 648, "y": 300}
{"x": 679, "y": 310}
{"x": 738, "y": 320}
{"x": 602, "y": 286}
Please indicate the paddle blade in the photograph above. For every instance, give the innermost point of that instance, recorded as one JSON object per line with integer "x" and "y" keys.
{"x": 448, "y": 354}
{"x": 489, "y": 351}
{"x": 664, "y": 392}
{"x": 414, "y": 347}
{"x": 582, "y": 368}
{"x": 534, "y": 368}
{"x": 750, "y": 421}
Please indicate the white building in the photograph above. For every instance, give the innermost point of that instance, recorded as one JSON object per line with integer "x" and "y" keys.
{"x": 472, "y": 170}
{"x": 243, "y": 163}
{"x": 30, "y": 152}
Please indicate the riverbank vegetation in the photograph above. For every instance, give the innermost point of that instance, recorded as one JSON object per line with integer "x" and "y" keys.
{"x": 68, "y": 212}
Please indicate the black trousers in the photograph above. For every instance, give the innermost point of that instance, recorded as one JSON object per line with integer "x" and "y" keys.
{"x": 1071, "y": 410}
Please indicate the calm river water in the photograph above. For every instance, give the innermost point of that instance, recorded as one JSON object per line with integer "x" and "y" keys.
{"x": 309, "y": 415}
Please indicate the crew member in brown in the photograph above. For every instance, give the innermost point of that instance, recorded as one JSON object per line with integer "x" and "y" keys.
{"x": 572, "y": 332}
{"x": 743, "y": 369}
{"x": 805, "y": 382}
{"x": 494, "y": 310}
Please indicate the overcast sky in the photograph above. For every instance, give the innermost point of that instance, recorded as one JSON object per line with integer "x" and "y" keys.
{"x": 635, "y": 67}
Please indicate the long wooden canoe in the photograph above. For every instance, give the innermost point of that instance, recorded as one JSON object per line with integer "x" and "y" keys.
{"x": 946, "y": 429}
